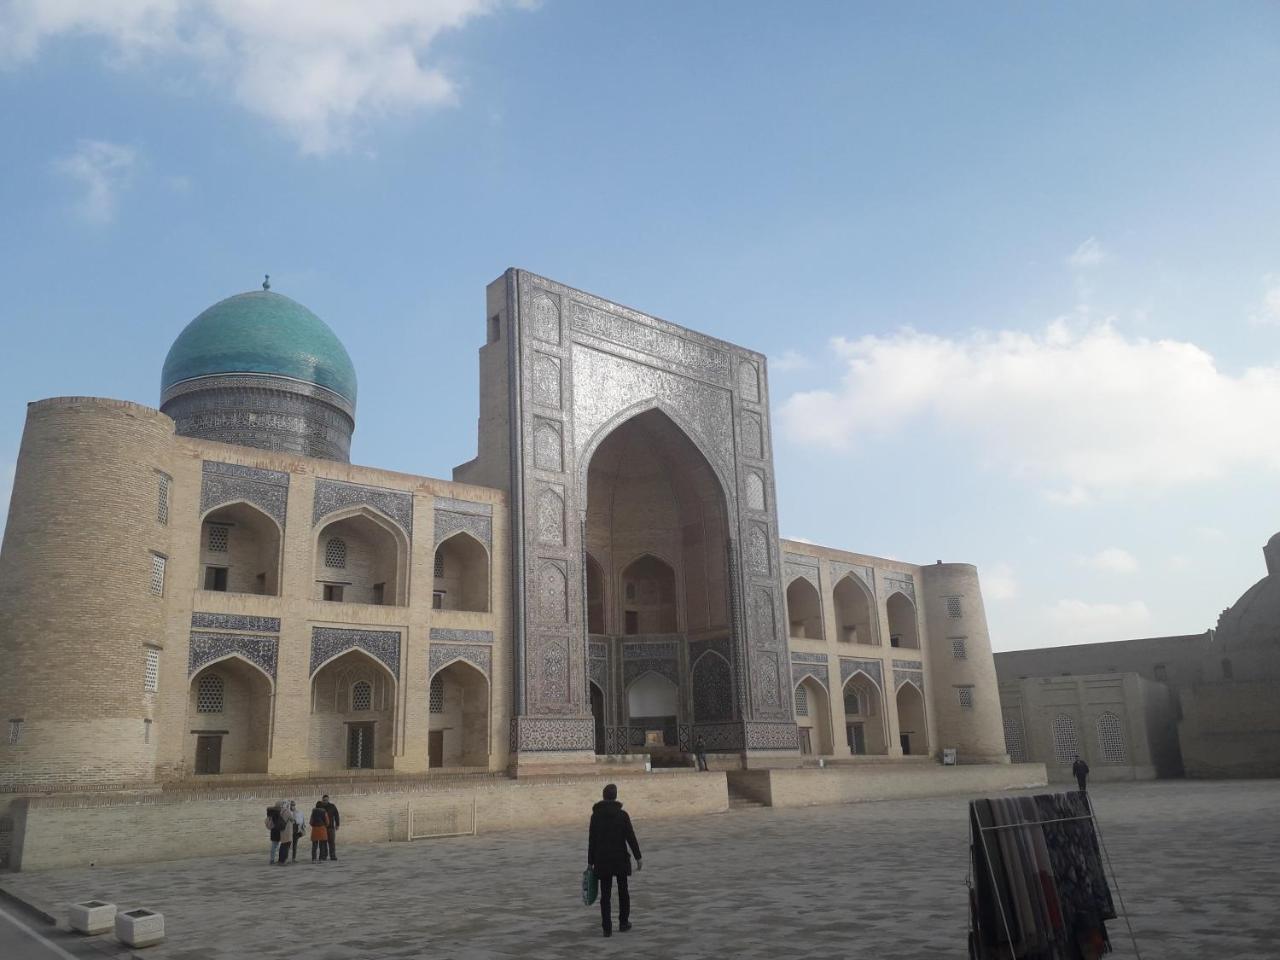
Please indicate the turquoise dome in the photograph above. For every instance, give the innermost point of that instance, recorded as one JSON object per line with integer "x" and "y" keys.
{"x": 261, "y": 332}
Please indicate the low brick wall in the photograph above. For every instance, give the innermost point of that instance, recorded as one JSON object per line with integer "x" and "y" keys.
{"x": 71, "y": 831}
{"x": 887, "y": 781}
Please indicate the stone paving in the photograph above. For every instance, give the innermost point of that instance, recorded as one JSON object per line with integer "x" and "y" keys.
{"x": 1198, "y": 865}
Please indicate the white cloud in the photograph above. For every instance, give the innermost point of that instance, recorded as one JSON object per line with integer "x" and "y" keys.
{"x": 1088, "y": 254}
{"x": 318, "y": 68}
{"x": 1081, "y": 410}
{"x": 102, "y": 170}
{"x": 999, "y": 583}
{"x": 789, "y": 361}
{"x": 1268, "y": 312}
{"x": 1076, "y": 621}
{"x": 1111, "y": 560}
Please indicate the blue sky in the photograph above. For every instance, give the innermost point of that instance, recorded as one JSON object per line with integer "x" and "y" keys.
{"x": 1016, "y": 267}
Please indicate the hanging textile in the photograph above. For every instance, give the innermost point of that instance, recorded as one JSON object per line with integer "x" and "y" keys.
{"x": 1038, "y": 890}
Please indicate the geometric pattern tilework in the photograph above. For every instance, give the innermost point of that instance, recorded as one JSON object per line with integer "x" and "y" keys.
{"x": 443, "y": 654}
{"x": 712, "y": 689}
{"x": 450, "y": 635}
{"x": 698, "y": 647}
{"x": 333, "y": 495}
{"x": 721, "y": 736}
{"x": 865, "y": 574}
{"x": 902, "y": 676}
{"x": 850, "y": 665}
{"x": 809, "y": 658}
{"x": 224, "y": 482}
{"x": 899, "y": 582}
{"x": 453, "y": 516}
{"x": 234, "y": 621}
{"x": 907, "y": 665}
{"x": 1066, "y": 742}
{"x": 552, "y": 734}
{"x": 383, "y": 645}
{"x": 207, "y": 647}
{"x": 1014, "y": 741}
{"x": 818, "y": 671}
{"x": 771, "y": 736}
{"x": 797, "y": 565}
{"x": 1111, "y": 738}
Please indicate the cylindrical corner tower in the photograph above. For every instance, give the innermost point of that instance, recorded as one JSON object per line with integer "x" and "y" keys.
{"x": 82, "y": 578}
{"x": 964, "y": 695}
{"x": 261, "y": 370}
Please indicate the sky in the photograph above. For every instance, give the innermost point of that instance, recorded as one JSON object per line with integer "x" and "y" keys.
{"x": 1016, "y": 267}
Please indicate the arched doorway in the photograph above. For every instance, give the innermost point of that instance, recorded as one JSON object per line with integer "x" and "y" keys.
{"x": 653, "y": 706}
{"x": 229, "y": 714}
{"x": 854, "y": 623}
{"x": 912, "y": 731}
{"x": 864, "y": 717}
{"x": 461, "y": 575}
{"x": 239, "y": 551}
{"x": 459, "y": 727}
{"x": 804, "y": 610}
{"x": 902, "y": 622}
{"x": 648, "y": 596}
{"x": 813, "y": 717}
{"x": 353, "y": 701}
{"x": 361, "y": 557}
{"x": 597, "y": 714}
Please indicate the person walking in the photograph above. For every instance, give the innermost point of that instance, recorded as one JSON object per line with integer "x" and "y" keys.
{"x": 319, "y": 832}
{"x": 608, "y": 837}
{"x": 299, "y": 828}
{"x": 1081, "y": 771}
{"x": 334, "y": 822}
{"x": 700, "y": 751}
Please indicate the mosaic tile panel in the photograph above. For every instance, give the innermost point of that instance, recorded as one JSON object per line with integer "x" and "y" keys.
{"x": 899, "y": 581}
{"x": 598, "y": 673}
{"x": 818, "y": 671}
{"x": 712, "y": 683}
{"x": 552, "y": 734}
{"x": 721, "y": 645}
{"x": 334, "y": 495}
{"x": 546, "y": 381}
{"x": 555, "y": 673}
{"x": 222, "y": 483}
{"x": 454, "y": 505}
{"x": 550, "y": 516}
{"x": 721, "y": 737}
{"x": 205, "y": 648}
{"x": 809, "y": 658}
{"x": 851, "y": 665}
{"x": 771, "y": 736}
{"x": 863, "y": 573}
{"x": 798, "y": 565}
{"x": 650, "y": 649}
{"x": 749, "y": 381}
{"x": 443, "y": 654}
{"x": 449, "y": 521}
{"x": 664, "y": 667}
{"x": 705, "y": 361}
{"x": 234, "y": 621}
{"x": 901, "y": 677}
{"x": 450, "y": 635}
{"x": 544, "y": 317}
{"x": 755, "y": 490}
{"x": 328, "y": 642}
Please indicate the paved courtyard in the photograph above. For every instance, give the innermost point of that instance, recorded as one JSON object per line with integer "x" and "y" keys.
{"x": 1197, "y": 864}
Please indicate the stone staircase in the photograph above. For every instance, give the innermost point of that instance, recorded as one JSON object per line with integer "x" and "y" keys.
{"x": 738, "y": 800}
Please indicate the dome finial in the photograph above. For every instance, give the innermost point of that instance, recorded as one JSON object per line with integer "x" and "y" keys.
{"x": 266, "y": 281}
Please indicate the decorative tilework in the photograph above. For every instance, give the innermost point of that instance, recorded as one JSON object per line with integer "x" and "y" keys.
{"x": 650, "y": 649}
{"x": 555, "y": 673}
{"x": 752, "y": 436}
{"x": 899, "y": 582}
{"x": 328, "y": 642}
{"x": 712, "y": 688}
{"x": 758, "y": 550}
{"x": 449, "y": 635}
{"x": 767, "y": 681}
{"x": 234, "y": 621}
{"x": 550, "y": 516}
{"x": 442, "y": 654}
{"x": 454, "y": 505}
{"x": 454, "y": 516}
{"x": 771, "y": 736}
{"x": 749, "y": 380}
{"x": 706, "y": 361}
{"x": 664, "y": 667}
{"x": 334, "y": 495}
{"x": 801, "y": 670}
{"x": 598, "y": 672}
{"x": 866, "y": 574}
{"x": 553, "y": 734}
{"x": 720, "y": 736}
{"x": 544, "y": 317}
{"x": 819, "y": 658}
{"x": 548, "y": 449}
{"x": 851, "y": 665}
{"x": 798, "y": 565}
{"x": 720, "y": 645}
{"x": 552, "y": 591}
{"x": 755, "y": 490}
{"x": 222, "y": 483}
{"x": 907, "y": 665}
{"x": 901, "y": 677}
{"x": 205, "y": 648}
{"x": 546, "y": 381}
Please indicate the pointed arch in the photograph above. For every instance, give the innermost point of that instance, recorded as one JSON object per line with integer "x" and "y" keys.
{"x": 342, "y": 733}
{"x": 711, "y": 677}
{"x": 647, "y": 593}
{"x": 236, "y": 655}
{"x": 854, "y": 605}
{"x": 462, "y": 574}
{"x": 596, "y": 696}
{"x": 239, "y": 549}
{"x": 804, "y": 610}
{"x": 864, "y": 714}
{"x": 229, "y": 721}
{"x": 912, "y": 724}
{"x": 459, "y": 734}
{"x": 904, "y": 630}
{"x": 813, "y": 715}
{"x": 375, "y": 557}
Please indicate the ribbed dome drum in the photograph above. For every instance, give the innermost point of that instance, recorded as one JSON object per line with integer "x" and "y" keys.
{"x": 261, "y": 370}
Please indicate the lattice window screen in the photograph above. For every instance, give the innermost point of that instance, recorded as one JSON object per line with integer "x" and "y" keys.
{"x": 959, "y": 648}
{"x": 362, "y": 696}
{"x": 335, "y": 553}
{"x": 1066, "y": 742}
{"x": 162, "y": 501}
{"x": 1014, "y": 741}
{"x": 966, "y": 697}
{"x": 209, "y": 694}
{"x": 15, "y": 730}
{"x": 151, "y": 671}
{"x": 1111, "y": 739}
{"x": 157, "y": 574}
{"x": 852, "y": 703}
{"x": 439, "y": 564}
{"x": 437, "y": 694}
{"x": 802, "y": 701}
{"x": 953, "y": 608}
{"x": 219, "y": 537}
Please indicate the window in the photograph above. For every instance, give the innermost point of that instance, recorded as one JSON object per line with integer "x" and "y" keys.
{"x": 953, "y": 608}
{"x": 437, "y": 600}
{"x": 959, "y": 649}
{"x": 333, "y": 592}
{"x": 632, "y": 620}
{"x": 15, "y": 731}
{"x": 335, "y": 553}
{"x": 209, "y": 694}
{"x": 1228, "y": 673}
{"x": 1014, "y": 742}
{"x": 437, "y": 694}
{"x": 215, "y": 578}
{"x": 1111, "y": 739}
{"x": 157, "y": 575}
{"x": 219, "y": 537}
{"x": 852, "y": 703}
{"x": 151, "y": 671}
{"x": 379, "y": 593}
{"x": 1066, "y": 742}
{"x": 439, "y": 564}
{"x": 146, "y": 731}
{"x": 1161, "y": 672}
{"x": 802, "y": 701}
{"x": 965, "y": 694}
{"x": 362, "y": 696}
{"x": 162, "y": 498}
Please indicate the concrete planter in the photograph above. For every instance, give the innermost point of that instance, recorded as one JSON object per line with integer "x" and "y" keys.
{"x": 139, "y": 928}
{"x": 91, "y": 916}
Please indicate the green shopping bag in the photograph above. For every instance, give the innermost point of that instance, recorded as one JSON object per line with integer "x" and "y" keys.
{"x": 590, "y": 886}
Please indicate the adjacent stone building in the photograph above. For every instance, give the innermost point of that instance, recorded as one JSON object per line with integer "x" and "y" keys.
{"x": 212, "y": 590}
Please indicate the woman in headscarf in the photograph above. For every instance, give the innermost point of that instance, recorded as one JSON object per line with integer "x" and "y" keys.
{"x": 319, "y": 832}
{"x": 283, "y": 830}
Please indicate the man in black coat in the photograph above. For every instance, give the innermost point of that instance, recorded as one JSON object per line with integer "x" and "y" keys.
{"x": 332, "y": 842}
{"x": 1081, "y": 771}
{"x": 609, "y": 837}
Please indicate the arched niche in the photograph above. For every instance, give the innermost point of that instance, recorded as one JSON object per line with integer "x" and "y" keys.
{"x": 813, "y": 717}
{"x": 229, "y": 716}
{"x": 864, "y": 716}
{"x": 804, "y": 610}
{"x": 912, "y": 731}
{"x": 344, "y": 734}
{"x": 461, "y": 574}
{"x": 458, "y": 732}
{"x": 648, "y": 596}
{"x": 239, "y": 551}
{"x": 903, "y": 631}
{"x": 361, "y": 557}
{"x": 853, "y": 607}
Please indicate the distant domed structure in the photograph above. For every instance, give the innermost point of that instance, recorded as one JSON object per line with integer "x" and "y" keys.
{"x": 261, "y": 370}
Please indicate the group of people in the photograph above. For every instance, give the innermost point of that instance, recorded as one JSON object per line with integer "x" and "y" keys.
{"x": 287, "y": 823}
